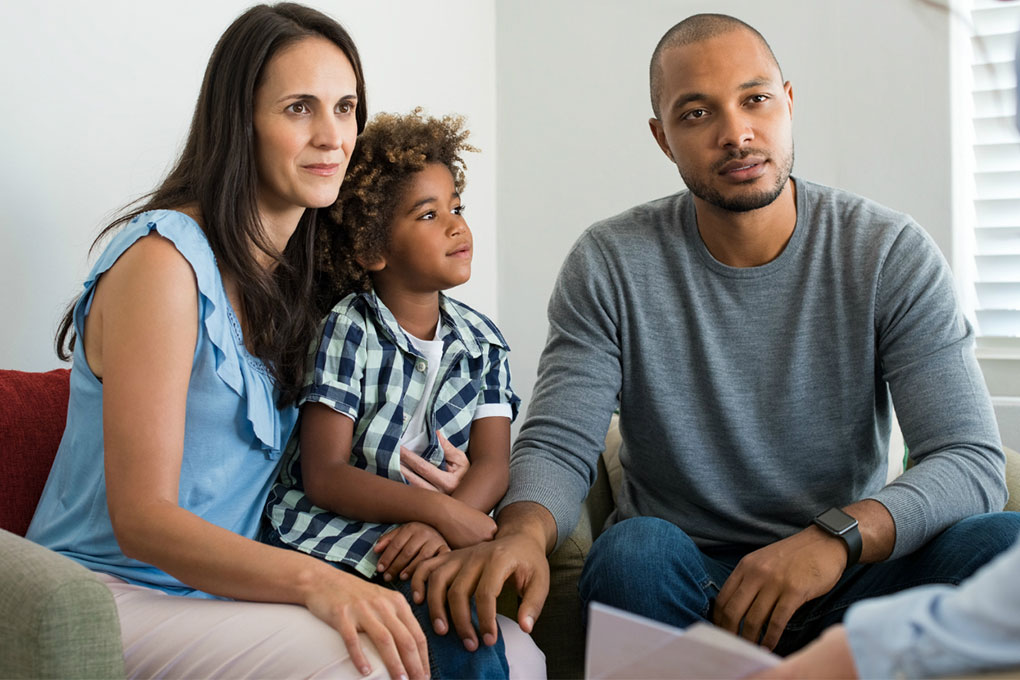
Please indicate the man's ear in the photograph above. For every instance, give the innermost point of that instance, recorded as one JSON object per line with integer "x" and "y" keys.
{"x": 372, "y": 266}
{"x": 788, "y": 89}
{"x": 660, "y": 137}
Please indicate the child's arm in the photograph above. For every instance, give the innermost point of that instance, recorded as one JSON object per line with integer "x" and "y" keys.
{"x": 332, "y": 483}
{"x": 486, "y": 481}
{"x": 482, "y": 486}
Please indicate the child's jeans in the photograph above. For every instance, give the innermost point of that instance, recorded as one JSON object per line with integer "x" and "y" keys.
{"x": 448, "y": 658}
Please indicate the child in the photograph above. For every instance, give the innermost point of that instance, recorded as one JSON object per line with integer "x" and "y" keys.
{"x": 400, "y": 370}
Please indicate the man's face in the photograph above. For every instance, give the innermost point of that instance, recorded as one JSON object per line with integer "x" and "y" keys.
{"x": 727, "y": 120}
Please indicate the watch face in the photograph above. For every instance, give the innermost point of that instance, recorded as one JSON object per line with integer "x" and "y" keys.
{"x": 836, "y": 521}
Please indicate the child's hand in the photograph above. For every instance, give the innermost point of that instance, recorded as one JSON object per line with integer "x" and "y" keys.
{"x": 420, "y": 472}
{"x": 405, "y": 547}
{"x": 461, "y": 525}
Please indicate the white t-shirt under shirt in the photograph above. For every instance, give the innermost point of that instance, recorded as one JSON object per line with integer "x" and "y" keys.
{"x": 415, "y": 437}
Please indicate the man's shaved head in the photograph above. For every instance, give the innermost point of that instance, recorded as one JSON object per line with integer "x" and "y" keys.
{"x": 694, "y": 29}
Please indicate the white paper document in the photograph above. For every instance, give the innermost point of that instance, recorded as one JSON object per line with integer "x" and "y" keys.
{"x": 624, "y": 646}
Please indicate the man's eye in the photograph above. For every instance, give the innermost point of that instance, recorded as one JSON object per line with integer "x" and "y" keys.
{"x": 695, "y": 114}
{"x": 759, "y": 98}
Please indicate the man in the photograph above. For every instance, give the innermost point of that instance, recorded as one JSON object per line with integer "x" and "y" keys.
{"x": 923, "y": 632}
{"x": 753, "y": 331}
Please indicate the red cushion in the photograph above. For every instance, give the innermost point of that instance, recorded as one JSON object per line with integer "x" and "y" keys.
{"x": 33, "y": 410}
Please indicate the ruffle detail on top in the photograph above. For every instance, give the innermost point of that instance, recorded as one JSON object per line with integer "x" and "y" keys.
{"x": 243, "y": 373}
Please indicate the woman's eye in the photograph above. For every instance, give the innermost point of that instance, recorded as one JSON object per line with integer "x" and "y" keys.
{"x": 344, "y": 107}
{"x": 298, "y": 107}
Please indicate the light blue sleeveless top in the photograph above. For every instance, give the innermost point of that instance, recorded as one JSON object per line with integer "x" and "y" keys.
{"x": 233, "y": 433}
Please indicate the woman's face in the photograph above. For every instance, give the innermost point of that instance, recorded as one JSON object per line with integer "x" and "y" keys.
{"x": 305, "y": 128}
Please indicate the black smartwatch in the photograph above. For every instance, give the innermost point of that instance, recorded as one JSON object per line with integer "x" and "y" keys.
{"x": 837, "y": 523}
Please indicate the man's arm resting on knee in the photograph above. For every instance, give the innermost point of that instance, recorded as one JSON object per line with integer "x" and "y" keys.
{"x": 526, "y": 534}
{"x": 771, "y": 583}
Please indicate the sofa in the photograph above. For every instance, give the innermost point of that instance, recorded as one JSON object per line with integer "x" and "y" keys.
{"x": 58, "y": 621}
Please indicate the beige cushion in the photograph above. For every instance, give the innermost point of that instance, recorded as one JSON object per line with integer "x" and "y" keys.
{"x": 1012, "y": 479}
{"x": 611, "y": 458}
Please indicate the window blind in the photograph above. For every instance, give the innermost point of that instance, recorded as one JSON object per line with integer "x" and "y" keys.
{"x": 996, "y": 166}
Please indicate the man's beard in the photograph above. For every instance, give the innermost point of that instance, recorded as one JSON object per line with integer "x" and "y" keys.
{"x": 743, "y": 202}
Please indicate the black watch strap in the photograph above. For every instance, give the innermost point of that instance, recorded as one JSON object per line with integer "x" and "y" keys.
{"x": 837, "y": 523}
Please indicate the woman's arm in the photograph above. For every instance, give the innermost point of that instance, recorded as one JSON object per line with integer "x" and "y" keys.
{"x": 140, "y": 340}
{"x": 332, "y": 483}
{"x": 486, "y": 481}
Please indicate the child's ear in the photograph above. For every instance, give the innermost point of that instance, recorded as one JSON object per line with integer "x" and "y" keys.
{"x": 372, "y": 266}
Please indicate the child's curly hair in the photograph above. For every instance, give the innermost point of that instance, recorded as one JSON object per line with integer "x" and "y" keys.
{"x": 388, "y": 153}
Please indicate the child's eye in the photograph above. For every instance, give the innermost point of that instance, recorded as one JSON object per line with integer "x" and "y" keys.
{"x": 430, "y": 215}
{"x": 459, "y": 210}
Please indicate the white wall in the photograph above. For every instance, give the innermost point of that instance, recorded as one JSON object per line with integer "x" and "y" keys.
{"x": 871, "y": 114}
{"x": 98, "y": 97}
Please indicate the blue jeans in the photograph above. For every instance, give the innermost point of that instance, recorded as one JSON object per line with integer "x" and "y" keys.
{"x": 447, "y": 655}
{"x": 448, "y": 658}
{"x": 650, "y": 567}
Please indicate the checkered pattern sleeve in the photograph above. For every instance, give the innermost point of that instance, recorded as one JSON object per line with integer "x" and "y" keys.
{"x": 334, "y": 378}
{"x": 496, "y": 387}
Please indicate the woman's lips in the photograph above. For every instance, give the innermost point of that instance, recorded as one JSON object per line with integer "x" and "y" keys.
{"x": 323, "y": 169}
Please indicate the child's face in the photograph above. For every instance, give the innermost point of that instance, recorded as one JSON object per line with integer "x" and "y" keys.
{"x": 430, "y": 244}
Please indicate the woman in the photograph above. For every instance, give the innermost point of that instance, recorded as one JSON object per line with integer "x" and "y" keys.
{"x": 188, "y": 344}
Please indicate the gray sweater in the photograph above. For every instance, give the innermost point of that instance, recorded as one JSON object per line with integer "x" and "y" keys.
{"x": 753, "y": 398}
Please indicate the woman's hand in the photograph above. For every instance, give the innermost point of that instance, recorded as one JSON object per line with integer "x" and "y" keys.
{"x": 419, "y": 472}
{"x": 405, "y": 547}
{"x": 352, "y": 605}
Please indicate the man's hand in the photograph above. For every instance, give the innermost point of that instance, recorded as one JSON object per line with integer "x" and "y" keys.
{"x": 419, "y": 472}
{"x": 407, "y": 546}
{"x": 461, "y": 525}
{"x": 827, "y": 658}
{"x": 771, "y": 583}
{"x": 527, "y": 532}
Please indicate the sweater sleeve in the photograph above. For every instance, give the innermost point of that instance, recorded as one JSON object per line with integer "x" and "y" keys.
{"x": 555, "y": 457}
{"x": 926, "y": 355}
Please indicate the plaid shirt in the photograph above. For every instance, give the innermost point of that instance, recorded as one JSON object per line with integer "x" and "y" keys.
{"x": 366, "y": 367}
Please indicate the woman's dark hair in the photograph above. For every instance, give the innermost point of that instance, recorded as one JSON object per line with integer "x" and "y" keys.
{"x": 391, "y": 151}
{"x": 217, "y": 172}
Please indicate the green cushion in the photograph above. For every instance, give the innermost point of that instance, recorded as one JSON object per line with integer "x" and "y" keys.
{"x": 57, "y": 620}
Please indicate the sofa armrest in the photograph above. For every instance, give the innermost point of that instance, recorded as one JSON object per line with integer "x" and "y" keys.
{"x": 559, "y": 631}
{"x": 1012, "y": 479}
{"x": 57, "y": 620}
